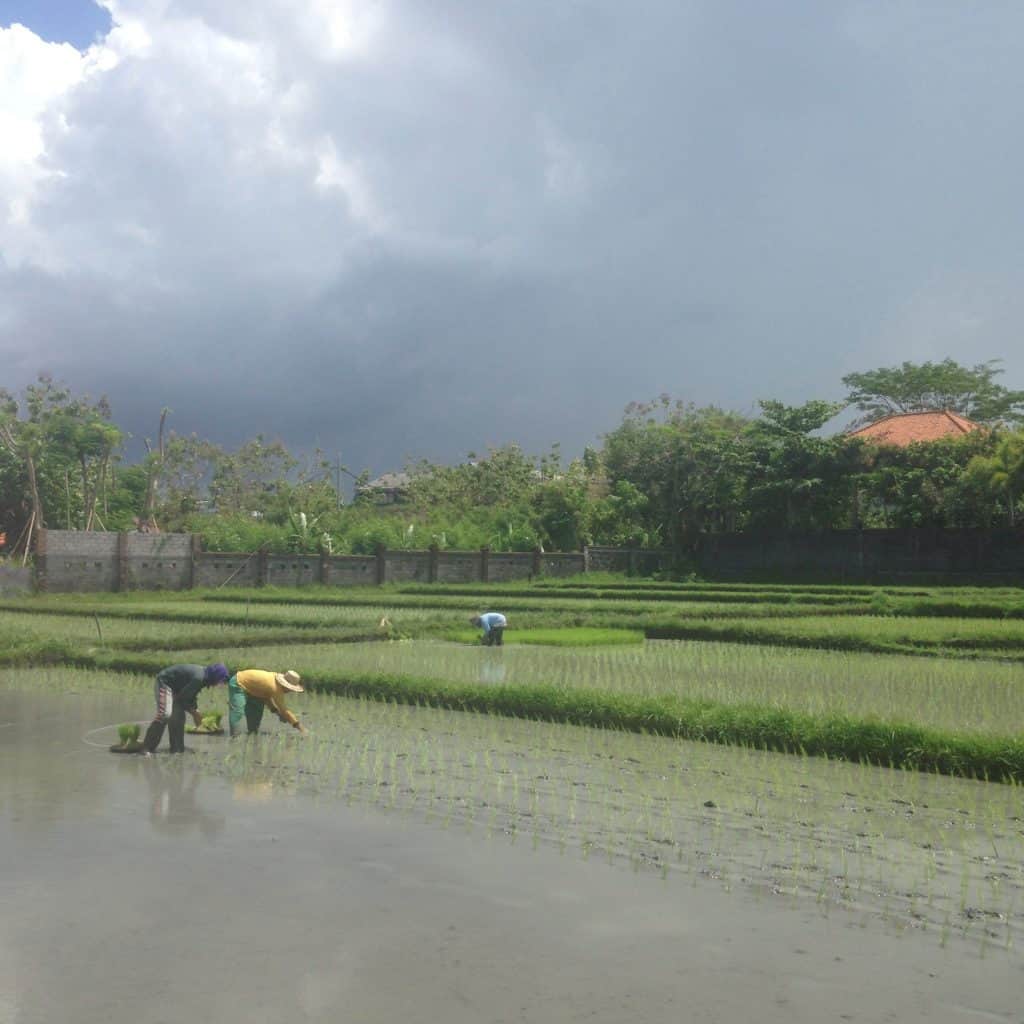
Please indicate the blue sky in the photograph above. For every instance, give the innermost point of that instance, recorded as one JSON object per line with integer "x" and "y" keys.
{"x": 58, "y": 21}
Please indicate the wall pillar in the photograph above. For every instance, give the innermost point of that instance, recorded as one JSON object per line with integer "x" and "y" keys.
{"x": 485, "y": 564}
{"x": 195, "y": 557}
{"x": 535, "y": 563}
{"x": 433, "y": 563}
{"x": 586, "y": 558}
{"x": 121, "y": 582}
{"x": 325, "y": 567}
{"x": 631, "y": 571}
{"x": 40, "y": 559}
{"x": 382, "y": 564}
{"x": 262, "y": 563}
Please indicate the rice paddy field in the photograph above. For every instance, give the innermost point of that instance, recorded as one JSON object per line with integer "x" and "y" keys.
{"x": 853, "y": 749}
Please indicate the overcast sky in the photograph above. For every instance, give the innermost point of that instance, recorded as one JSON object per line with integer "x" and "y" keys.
{"x": 399, "y": 228}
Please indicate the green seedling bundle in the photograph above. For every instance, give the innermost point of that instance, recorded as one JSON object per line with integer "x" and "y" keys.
{"x": 128, "y": 735}
{"x": 209, "y": 725}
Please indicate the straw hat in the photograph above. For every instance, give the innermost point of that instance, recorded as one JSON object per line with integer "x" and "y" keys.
{"x": 290, "y": 681}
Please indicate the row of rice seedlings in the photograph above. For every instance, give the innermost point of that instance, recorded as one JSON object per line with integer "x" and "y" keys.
{"x": 418, "y": 619}
{"x": 528, "y": 602}
{"x": 243, "y": 614}
{"x": 925, "y": 852}
{"x": 996, "y": 638}
{"x": 89, "y": 631}
{"x": 826, "y": 627}
{"x": 687, "y": 595}
{"x": 955, "y": 696}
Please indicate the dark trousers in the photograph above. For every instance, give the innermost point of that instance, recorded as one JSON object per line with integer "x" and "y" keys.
{"x": 494, "y": 637}
{"x": 169, "y": 712}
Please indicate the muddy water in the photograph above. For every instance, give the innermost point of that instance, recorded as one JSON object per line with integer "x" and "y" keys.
{"x": 156, "y": 891}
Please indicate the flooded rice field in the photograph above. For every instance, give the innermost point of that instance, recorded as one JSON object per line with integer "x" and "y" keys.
{"x": 407, "y": 863}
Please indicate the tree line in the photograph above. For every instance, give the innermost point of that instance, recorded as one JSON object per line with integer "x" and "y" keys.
{"x": 667, "y": 473}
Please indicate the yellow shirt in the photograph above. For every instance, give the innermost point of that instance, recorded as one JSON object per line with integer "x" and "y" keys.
{"x": 263, "y": 686}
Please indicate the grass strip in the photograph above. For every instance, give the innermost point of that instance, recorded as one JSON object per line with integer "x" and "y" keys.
{"x": 631, "y": 594}
{"x": 873, "y": 636}
{"x": 277, "y": 609}
{"x": 583, "y": 637}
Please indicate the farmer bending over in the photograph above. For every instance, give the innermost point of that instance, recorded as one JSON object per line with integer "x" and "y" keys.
{"x": 493, "y": 624}
{"x": 177, "y": 691}
{"x": 252, "y": 690}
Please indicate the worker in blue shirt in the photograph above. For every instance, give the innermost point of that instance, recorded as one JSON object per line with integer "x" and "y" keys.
{"x": 493, "y": 625}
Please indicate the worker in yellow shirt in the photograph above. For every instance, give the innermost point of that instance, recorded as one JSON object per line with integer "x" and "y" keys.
{"x": 252, "y": 690}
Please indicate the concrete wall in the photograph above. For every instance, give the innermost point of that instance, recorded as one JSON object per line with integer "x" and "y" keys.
{"x": 558, "y": 564}
{"x": 940, "y": 554}
{"x": 15, "y": 579}
{"x": 217, "y": 569}
{"x": 69, "y": 560}
{"x": 351, "y": 570}
{"x": 76, "y": 561}
{"x": 406, "y": 566}
{"x": 459, "y": 566}
{"x": 503, "y": 566}
{"x": 156, "y": 561}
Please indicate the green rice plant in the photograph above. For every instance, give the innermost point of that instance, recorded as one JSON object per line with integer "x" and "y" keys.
{"x": 128, "y": 734}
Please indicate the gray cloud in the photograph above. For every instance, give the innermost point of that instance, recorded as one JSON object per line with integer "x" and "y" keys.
{"x": 468, "y": 224}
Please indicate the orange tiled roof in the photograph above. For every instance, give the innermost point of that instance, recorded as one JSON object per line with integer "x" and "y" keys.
{"x": 911, "y": 427}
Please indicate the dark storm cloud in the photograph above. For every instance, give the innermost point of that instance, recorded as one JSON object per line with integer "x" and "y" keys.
{"x": 485, "y": 223}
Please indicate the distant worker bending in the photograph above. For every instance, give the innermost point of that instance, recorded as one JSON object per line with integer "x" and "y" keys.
{"x": 252, "y": 690}
{"x": 493, "y": 625}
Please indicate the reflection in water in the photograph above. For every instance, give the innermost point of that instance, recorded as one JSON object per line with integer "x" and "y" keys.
{"x": 493, "y": 667}
{"x": 173, "y": 805}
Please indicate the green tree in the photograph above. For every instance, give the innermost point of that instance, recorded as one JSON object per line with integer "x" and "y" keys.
{"x": 1002, "y": 473}
{"x": 248, "y": 479}
{"x": 64, "y": 448}
{"x": 922, "y": 484}
{"x": 689, "y": 464}
{"x": 971, "y": 391}
{"x": 186, "y": 466}
{"x": 796, "y": 480}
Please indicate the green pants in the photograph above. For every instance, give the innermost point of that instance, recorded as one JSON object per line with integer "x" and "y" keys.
{"x": 240, "y": 705}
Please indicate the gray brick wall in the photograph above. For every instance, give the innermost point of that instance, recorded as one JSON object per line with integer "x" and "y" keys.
{"x": 293, "y": 570}
{"x": 215, "y": 569}
{"x": 458, "y": 567}
{"x": 351, "y": 570}
{"x": 406, "y": 566}
{"x": 568, "y": 564}
{"x": 15, "y": 579}
{"x": 68, "y": 560}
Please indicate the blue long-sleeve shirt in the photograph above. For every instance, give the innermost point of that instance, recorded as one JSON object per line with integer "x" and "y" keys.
{"x": 491, "y": 619}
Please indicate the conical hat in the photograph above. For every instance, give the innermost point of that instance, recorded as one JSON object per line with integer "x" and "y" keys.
{"x": 290, "y": 681}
